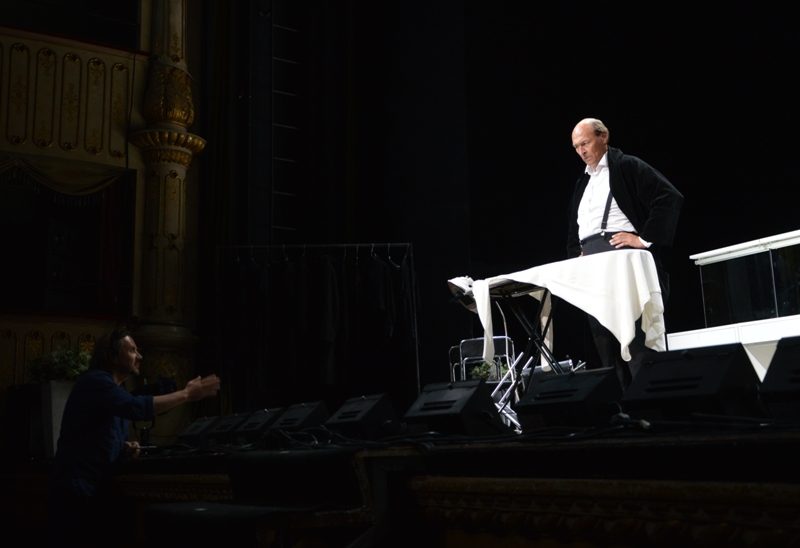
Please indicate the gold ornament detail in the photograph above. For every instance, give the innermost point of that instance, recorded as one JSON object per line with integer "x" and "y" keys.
{"x": 168, "y": 98}
{"x": 156, "y": 156}
{"x": 167, "y": 146}
{"x": 153, "y": 138}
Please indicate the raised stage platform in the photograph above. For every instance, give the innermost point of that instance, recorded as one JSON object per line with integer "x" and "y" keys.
{"x": 760, "y": 338}
{"x": 751, "y": 295}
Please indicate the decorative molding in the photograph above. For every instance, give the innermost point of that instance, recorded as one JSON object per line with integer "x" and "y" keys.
{"x": 34, "y": 348}
{"x": 120, "y": 103}
{"x": 613, "y": 512}
{"x": 176, "y": 487}
{"x": 163, "y": 146}
{"x": 44, "y": 97}
{"x": 167, "y": 149}
{"x": 152, "y": 138}
{"x": 70, "y": 101}
{"x": 86, "y": 342}
{"x": 95, "y": 105}
{"x": 67, "y": 99}
{"x": 18, "y": 88}
{"x": 8, "y": 356}
{"x": 168, "y": 99}
{"x": 25, "y": 338}
{"x": 60, "y": 340}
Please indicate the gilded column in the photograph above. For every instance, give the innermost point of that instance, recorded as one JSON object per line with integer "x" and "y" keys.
{"x": 168, "y": 148}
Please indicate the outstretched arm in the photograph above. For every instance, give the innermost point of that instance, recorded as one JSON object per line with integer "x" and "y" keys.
{"x": 196, "y": 389}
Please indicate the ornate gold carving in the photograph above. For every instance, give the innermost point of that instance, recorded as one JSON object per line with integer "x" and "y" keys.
{"x": 47, "y": 59}
{"x": 119, "y": 110}
{"x": 93, "y": 136}
{"x": 34, "y": 347}
{"x": 8, "y": 357}
{"x": 615, "y": 512}
{"x": 86, "y": 342}
{"x": 170, "y": 365}
{"x": 70, "y": 101}
{"x": 60, "y": 340}
{"x": 95, "y": 105}
{"x": 45, "y": 98}
{"x": 62, "y": 98}
{"x": 18, "y": 89}
{"x": 168, "y": 157}
{"x": 176, "y": 49}
{"x": 41, "y": 142}
{"x": 167, "y": 146}
{"x": 168, "y": 98}
{"x": 152, "y": 138}
{"x": 24, "y": 338}
{"x": 177, "y": 487}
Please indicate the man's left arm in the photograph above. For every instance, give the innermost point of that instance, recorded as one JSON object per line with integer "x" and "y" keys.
{"x": 660, "y": 204}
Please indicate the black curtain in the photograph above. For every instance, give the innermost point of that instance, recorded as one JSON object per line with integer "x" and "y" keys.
{"x": 309, "y": 323}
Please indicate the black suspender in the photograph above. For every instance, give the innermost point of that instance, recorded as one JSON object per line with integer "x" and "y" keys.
{"x": 605, "y": 214}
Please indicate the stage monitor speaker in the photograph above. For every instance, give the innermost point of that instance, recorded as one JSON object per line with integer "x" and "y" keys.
{"x": 222, "y": 431}
{"x": 195, "y": 433}
{"x": 464, "y": 407}
{"x": 583, "y": 398}
{"x": 301, "y": 415}
{"x": 697, "y": 383}
{"x": 256, "y": 424}
{"x": 365, "y": 417}
{"x": 780, "y": 389}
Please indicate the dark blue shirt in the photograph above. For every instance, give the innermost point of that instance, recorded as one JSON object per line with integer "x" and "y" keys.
{"x": 94, "y": 429}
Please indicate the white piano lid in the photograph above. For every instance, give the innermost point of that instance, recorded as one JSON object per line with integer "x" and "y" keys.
{"x": 747, "y": 248}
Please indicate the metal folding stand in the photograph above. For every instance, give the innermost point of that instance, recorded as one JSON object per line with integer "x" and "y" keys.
{"x": 535, "y": 350}
{"x": 513, "y": 377}
{"x": 508, "y": 292}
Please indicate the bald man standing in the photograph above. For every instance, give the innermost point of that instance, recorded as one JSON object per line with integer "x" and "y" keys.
{"x": 620, "y": 202}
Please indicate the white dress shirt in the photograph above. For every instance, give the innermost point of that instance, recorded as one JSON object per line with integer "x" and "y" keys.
{"x": 593, "y": 204}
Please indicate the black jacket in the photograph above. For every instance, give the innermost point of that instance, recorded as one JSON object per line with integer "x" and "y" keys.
{"x": 649, "y": 201}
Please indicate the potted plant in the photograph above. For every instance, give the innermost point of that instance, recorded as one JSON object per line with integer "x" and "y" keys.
{"x": 489, "y": 371}
{"x": 63, "y": 364}
{"x": 51, "y": 378}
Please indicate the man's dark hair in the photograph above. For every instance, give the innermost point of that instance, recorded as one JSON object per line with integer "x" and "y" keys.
{"x": 107, "y": 347}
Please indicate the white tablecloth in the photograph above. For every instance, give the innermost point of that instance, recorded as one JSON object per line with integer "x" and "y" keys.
{"x": 615, "y": 287}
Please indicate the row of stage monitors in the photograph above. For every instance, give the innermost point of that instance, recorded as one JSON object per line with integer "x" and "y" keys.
{"x": 364, "y": 417}
{"x": 709, "y": 384}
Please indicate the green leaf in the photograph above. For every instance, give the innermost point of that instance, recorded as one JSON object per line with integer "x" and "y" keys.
{"x": 60, "y": 364}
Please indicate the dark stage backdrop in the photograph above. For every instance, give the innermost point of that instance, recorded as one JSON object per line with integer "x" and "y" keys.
{"x": 703, "y": 98}
{"x": 447, "y": 124}
{"x": 311, "y": 323}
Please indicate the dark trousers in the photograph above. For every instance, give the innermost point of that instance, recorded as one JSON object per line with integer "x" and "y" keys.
{"x": 608, "y": 348}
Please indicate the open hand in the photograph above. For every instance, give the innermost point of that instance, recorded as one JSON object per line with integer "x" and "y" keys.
{"x": 132, "y": 449}
{"x": 202, "y": 387}
{"x": 626, "y": 239}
